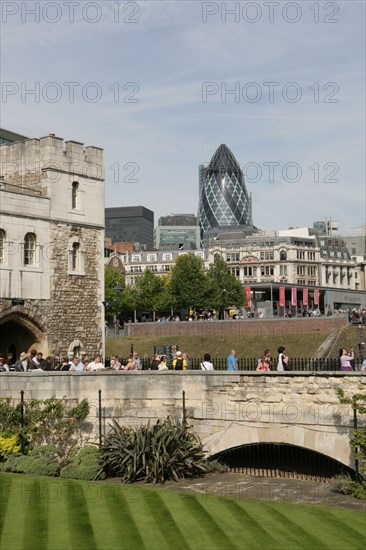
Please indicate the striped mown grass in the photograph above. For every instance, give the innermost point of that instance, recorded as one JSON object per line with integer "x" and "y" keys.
{"x": 54, "y": 514}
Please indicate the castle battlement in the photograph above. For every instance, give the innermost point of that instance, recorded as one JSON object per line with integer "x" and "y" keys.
{"x": 50, "y": 153}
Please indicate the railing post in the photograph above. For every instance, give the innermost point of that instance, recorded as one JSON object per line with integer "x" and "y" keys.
{"x": 355, "y": 426}
{"x": 22, "y": 421}
{"x": 184, "y": 408}
{"x": 100, "y": 417}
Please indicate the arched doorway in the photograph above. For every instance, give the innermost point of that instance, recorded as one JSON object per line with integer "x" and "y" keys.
{"x": 18, "y": 333}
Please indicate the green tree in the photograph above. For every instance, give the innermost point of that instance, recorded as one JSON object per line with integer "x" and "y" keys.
{"x": 113, "y": 298}
{"x": 358, "y": 441}
{"x": 188, "y": 282}
{"x": 223, "y": 288}
{"x": 151, "y": 293}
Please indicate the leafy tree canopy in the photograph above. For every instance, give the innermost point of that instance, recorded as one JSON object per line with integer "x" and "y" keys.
{"x": 188, "y": 282}
{"x": 223, "y": 288}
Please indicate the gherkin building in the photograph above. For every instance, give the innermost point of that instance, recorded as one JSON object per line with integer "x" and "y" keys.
{"x": 224, "y": 201}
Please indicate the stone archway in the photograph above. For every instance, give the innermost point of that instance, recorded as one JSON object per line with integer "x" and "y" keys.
{"x": 328, "y": 442}
{"x": 19, "y": 333}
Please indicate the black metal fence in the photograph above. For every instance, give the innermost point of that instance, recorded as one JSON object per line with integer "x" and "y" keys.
{"x": 251, "y": 363}
{"x": 302, "y": 364}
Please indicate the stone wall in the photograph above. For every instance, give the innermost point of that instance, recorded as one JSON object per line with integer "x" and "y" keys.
{"x": 225, "y": 409}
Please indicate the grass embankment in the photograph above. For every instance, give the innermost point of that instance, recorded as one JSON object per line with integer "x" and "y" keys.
{"x": 41, "y": 513}
{"x": 219, "y": 345}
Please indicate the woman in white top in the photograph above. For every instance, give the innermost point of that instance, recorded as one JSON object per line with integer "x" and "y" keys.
{"x": 345, "y": 359}
{"x": 163, "y": 365}
{"x": 206, "y": 363}
{"x": 282, "y": 359}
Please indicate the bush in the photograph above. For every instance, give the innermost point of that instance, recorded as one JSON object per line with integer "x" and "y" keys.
{"x": 43, "y": 461}
{"x": 347, "y": 486}
{"x": 85, "y": 464}
{"x": 9, "y": 445}
{"x": 216, "y": 466}
{"x": 155, "y": 454}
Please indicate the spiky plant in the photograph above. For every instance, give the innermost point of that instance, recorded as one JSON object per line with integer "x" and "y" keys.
{"x": 154, "y": 454}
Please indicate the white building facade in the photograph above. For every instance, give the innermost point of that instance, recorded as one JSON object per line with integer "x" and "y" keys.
{"x": 51, "y": 247}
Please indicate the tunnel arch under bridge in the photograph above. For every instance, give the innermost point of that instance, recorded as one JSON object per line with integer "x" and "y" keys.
{"x": 327, "y": 441}
{"x": 281, "y": 460}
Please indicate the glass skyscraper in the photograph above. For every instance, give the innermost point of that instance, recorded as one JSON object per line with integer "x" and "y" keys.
{"x": 224, "y": 201}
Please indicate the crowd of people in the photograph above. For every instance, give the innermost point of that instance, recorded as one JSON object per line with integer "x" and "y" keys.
{"x": 177, "y": 361}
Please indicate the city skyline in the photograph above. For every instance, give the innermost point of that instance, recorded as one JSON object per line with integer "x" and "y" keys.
{"x": 149, "y": 85}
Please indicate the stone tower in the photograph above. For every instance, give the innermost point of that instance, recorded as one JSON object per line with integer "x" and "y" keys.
{"x": 51, "y": 247}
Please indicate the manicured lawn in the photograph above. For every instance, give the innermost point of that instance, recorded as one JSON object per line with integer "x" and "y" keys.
{"x": 40, "y": 513}
{"x": 219, "y": 345}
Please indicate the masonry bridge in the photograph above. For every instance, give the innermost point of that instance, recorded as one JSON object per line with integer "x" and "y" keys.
{"x": 229, "y": 411}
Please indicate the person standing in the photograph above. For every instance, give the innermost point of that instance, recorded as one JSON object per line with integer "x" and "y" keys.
{"x": 163, "y": 365}
{"x": 96, "y": 364}
{"x": 346, "y": 359}
{"x": 206, "y": 363}
{"x": 263, "y": 364}
{"x": 282, "y": 363}
{"x": 137, "y": 361}
{"x": 115, "y": 363}
{"x": 155, "y": 362}
{"x": 232, "y": 362}
{"x": 76, "y": 365}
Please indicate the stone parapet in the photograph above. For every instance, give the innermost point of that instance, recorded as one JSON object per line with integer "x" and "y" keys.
{"x": 226, "y": 409}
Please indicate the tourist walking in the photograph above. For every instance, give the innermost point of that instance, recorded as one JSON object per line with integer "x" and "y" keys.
{"x": 232, "y": 362}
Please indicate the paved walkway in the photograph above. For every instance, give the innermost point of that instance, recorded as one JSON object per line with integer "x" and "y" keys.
{"x": 280, "y": 489}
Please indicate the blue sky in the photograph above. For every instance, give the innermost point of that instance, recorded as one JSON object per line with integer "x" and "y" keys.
{"x": 176, "y": 60}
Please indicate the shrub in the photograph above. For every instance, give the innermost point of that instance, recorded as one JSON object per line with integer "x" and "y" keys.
{"x": 166, "y": 450}
{"x": 43, "y": 461}
{"x": 216, "y": 466}
{"x": 9, "y": 445}
{"x": 85, "y": 464}
{"x": 44, "y": 422}
{"x": 347, "y": 486}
